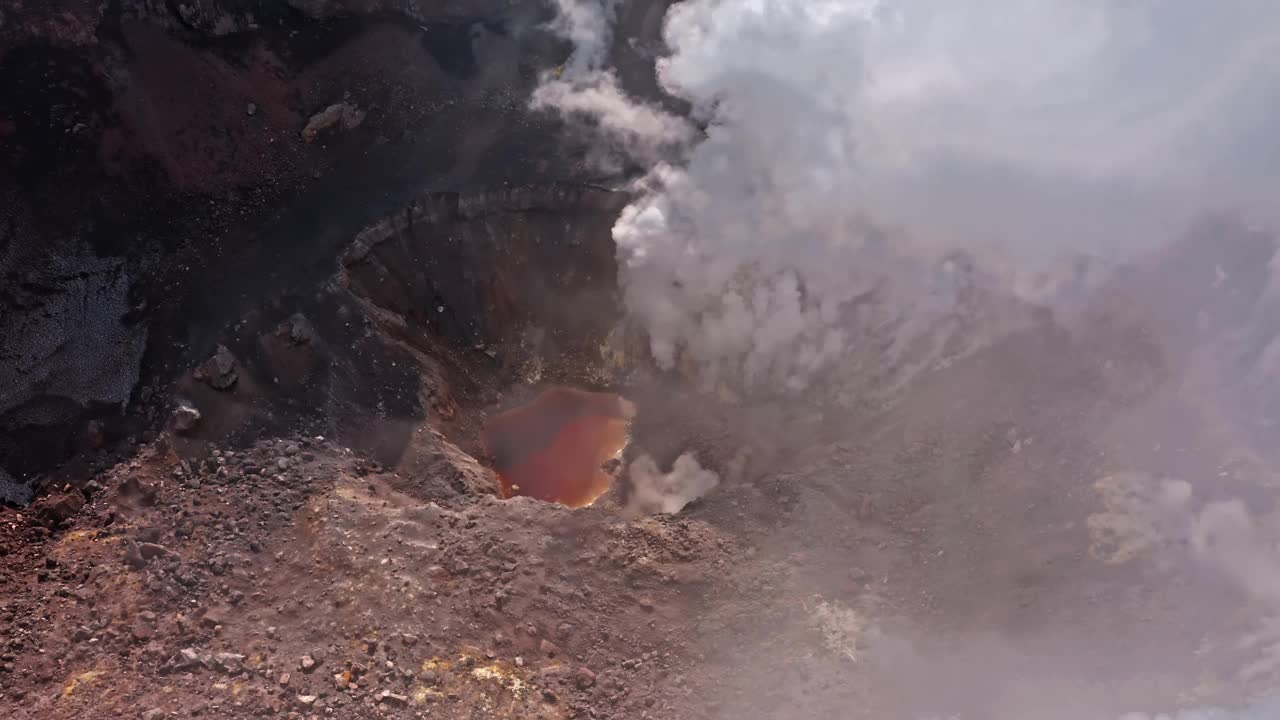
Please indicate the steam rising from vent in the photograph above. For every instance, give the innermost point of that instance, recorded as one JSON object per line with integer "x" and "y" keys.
{"x": 1019, "y": 130}
{"x": 589, "y": 26}
{"x": 655, "y": 492}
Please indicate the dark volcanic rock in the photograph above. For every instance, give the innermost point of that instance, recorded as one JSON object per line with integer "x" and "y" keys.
{"x": 132, "y": 177}
{"x": 156, "y": 188}
{"x": 12, "y": 491}
{"x": 66, "y": 339}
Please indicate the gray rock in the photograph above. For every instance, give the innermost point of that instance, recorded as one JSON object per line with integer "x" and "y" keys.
{"x": 230, "y": 663}
{"x": 190, "y": 658}
{"x": 219, "y": 371}
{"x": 339, "y": 115}
{"x": 185, "y": 417}
{"x": 389, "y": 698}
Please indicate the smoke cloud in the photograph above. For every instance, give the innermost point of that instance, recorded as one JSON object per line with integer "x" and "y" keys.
{"x": 847, "y": 144}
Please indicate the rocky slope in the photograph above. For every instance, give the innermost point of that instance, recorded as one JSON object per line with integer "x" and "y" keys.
{"x": 987, "y": 547}
{"x": 169, "y": 167}
{"x": 266, "y": 272}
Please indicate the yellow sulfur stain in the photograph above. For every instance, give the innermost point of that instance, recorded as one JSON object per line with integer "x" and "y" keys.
{"x": 422, "y": 694}
{"x": 83, "y": 678}
{"x": 435, "y": 663}
{"x": 469, "y": 652}
{"x": 502, "y": 674}
{"x": 496, "y": 689}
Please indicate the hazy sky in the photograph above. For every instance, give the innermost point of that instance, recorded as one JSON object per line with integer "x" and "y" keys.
{"x": 1156, "y": 90}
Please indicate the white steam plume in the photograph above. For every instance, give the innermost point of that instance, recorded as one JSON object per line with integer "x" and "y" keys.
{"x": 585, "y": 89}
{"x": 655, "y": 492}
{"x": 1034, "y": 127}
{"x": 588, "y": 24}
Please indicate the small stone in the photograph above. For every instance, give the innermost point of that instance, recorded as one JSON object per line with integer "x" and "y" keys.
{"x": 283, "y": 463}
{"x": 141, "y": 632}
{"x": 219, "y": 371}
{"x": 390, "y": 698}
{"x": 548, "y": 648}
{"x": 564, "y": 630}
{"x": 307, "y": 664}
{"x": 584, "y": 678}
{"x": 189, "y": 658}
{"x": 251, "y": 109}
{"x": 153, "y": 714}
{"x": 185, "y": 418}
{"x": 229, "y": 662}
{"x": 213, "y": 618}
{"x": 343, "y": 115}
{"x": 133, "y": 556}
{"x": 150, "y": 550}
{"x": 307, "y": 701}
{"x": 283, "y": 679}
